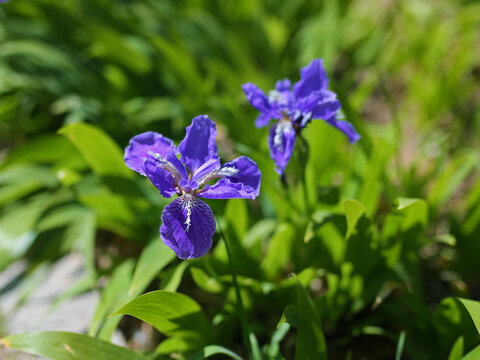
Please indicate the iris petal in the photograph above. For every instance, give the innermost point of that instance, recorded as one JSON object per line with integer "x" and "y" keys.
{"x": 161, "y": 178}
{"x": 313, "y": 78}
{"x": 321, "y": 104}
{"x": 188, "y": 227}
{"x": 281, "y": 141}
{"x": 142, "y": 145}
{"x": 179, "y": 167}
{"x": 283, "y": 85}
{"x": 199, "y": 145}
{"x": 241, "y": 179}
{"x": 345, "y": 127}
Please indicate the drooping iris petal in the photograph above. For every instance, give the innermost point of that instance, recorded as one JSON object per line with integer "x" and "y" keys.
{"x": 199, "y": 145}
{"x": 240, "y": 179}
{"x": 263, "y": 119}
{"x": 346, "y": 128}
{"x": 161, "y": 178}
{"x": 141, "y": 145}
{"x": 281, "y": 141}
{"x": 188, "y": 227}
{"x": 313, "y": 78}
{"x": 321, "y": 104}
{"x": 259, "y": 101}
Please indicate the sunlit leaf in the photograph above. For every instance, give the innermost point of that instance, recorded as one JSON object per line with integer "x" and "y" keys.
{"x": 310, "y": 340}
{"x": 58, "y": 345}
{"x": 100, "y": 152}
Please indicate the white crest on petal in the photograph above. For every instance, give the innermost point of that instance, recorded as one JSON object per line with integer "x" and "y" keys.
{"x": 277, "y": 97}
{"x": 166, "y": 165}
{"x": 282, "y": 128}
{"x": 218, "y": 174}
{"x": 227, "y": 171}
{"x": 188, "y": 203}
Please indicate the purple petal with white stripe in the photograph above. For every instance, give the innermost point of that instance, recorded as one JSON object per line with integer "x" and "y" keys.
{"x": 188, "y": 227}
{"x": 199, "y": 145}
{"x": 161, "y": 178}
{"x": 240, "y": 179}
{"x": 313, "y": 78}
{"x": 142, "y": 145}
{"x": 281, "y": 141}
{"x": 321, "y": 104}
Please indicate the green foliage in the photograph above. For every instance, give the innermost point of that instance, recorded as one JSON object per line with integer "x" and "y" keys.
{"x": 382, "y": 235}
{"x": 58, "y": 345}
{"x": 173, "y": 314}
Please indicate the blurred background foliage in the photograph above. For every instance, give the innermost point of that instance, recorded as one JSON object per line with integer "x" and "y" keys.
{"x": 383, "y": 273}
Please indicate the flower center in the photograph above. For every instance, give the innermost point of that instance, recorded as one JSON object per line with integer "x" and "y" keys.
{"x": 193, "y": 183}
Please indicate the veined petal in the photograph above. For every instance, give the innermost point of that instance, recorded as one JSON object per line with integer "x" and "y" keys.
{"x": 142, "y": 146}
{"x": 263, "y": 119}
{"x": 256, "y": 97}
{"x": 240, "y": 179}
{"x": 347, "y": 128}
{"x": 281, "y": 141}
{"x": 313, "y": 78}
{"x": 206, "y": 169}
{"x": 321, "y": 104}
{"x": 161, "y": 178}
{"x": 188, "y": 227}
{"x": 199, "y": 145}
{"x": 178, "y": 166}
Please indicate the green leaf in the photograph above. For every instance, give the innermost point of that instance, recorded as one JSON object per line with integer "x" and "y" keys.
{"x": 456, "y": 352}
{"x": 354, "y": 210}
{"x": 17, "y": 230}
{"x": 113, "y": 295}
{"x": 172, "y": 281}
{"x": 400, "y": 346}
{"x": 57, "y": 345}
{"x": 153, "y": 259}
{"x": 473, "y": 355}
{"x": 17, "y": 181}
{"x": 100, "y": 152}
{"x": 310, "y": 343}
{"x": 237, "y": 216}
{"x": 205, "y": 281}
{"x": 173, "y": 314}
{"x": 279, "y": 250}
{"x": 210, "y": 350}
{"x": 451, "y": 178}
{"x": 473, "y": 308}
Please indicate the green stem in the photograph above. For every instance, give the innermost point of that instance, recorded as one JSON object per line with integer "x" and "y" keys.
{"x": 248, "y": 336}
{"x": 305, "y": 155}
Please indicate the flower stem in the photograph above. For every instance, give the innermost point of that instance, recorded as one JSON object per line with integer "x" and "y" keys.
{"x": 305, "y": 148}
{"x": 248, "y": 336}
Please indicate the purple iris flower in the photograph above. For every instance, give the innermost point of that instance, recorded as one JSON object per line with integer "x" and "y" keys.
{"x": 188, "y": 223}
{"x": 295, "y": 108}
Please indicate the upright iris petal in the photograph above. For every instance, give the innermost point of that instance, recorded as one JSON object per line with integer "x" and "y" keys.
{"x": 188, "y": 223}
{"x": 312, "y": 78}
{"x": 295, "y": 108}
{"x": 199, "y": 145}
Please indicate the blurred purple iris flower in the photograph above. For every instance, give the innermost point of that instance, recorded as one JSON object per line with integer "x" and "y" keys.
{"x": 295, "y": 108}
{"x": 188, "y": 223}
